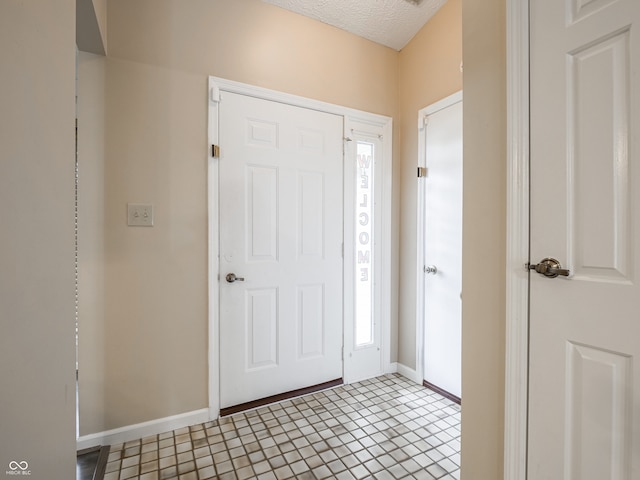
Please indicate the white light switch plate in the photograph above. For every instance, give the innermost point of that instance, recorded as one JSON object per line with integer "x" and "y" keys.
{"x": 139, "y": 215}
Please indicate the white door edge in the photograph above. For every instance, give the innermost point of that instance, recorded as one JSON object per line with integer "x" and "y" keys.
{"x": 215, "y": 86}
{"x": 517, "y": 278}
{"x": 420, "y": 301}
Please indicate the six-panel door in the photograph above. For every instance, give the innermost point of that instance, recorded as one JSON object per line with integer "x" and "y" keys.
{"x": 584, "y": 409}
{"x": 281, "y": 217}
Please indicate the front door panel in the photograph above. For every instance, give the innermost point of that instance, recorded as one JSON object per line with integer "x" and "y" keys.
{"x": 281, "y": 236}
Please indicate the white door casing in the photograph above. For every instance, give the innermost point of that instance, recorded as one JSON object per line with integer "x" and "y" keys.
{"x": 440, "y": 245}
{"x": 281, "y": 230}
{"x": 584, "y": 415}
{"x": 353, "y": 119}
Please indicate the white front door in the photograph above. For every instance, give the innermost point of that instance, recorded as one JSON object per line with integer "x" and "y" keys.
{"x": 281, "y": 217}
{"x": 584, "y": 391}
{"x": 443, "y": 249}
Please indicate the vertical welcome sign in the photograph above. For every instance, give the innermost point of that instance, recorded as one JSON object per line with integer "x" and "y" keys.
{"x": 364, "y": 242}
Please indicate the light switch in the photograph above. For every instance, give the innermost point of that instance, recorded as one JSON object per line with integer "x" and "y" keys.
{"x": 139, "y": 215}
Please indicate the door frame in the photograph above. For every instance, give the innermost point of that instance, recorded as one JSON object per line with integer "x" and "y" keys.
{"x": 517, "y": 276}
{"x": 352, "y": 119}
{"x": 421, "y": 196}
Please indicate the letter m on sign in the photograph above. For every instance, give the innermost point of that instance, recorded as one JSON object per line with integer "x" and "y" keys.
{"x": 363, "y": 257}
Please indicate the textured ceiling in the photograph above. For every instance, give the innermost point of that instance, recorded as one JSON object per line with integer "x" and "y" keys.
{"x": 389, "y": 22}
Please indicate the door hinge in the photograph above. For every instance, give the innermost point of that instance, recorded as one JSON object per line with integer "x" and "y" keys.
{"x": 342, "y": 353}
{"x": 343, "y": 250}
{"x": 214, "y": 94}
{"x": 422, "y": 172}
{"x": 215, "y": 151}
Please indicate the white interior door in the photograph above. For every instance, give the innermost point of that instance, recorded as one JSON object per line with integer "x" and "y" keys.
{"x": 443, "y": 249}
{"x": 281, "y": 217}
{"x": 584, "y": 391}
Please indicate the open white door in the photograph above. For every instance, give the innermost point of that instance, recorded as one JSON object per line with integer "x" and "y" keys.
{"x": 584, "y": 390}
{"x": 442, "y": 271}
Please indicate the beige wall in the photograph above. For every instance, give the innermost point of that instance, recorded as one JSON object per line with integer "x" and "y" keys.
{"x": 429, "y": 70}
{"x": 100, "y": 8}
{"x": 37, "y": 353}
{"x": 484, "y": 233}
{"x": 256, "y": 43}
{"x": 155, "y": 279}
{"x": 91, "y": 33}
{"x": 155, "y": 362}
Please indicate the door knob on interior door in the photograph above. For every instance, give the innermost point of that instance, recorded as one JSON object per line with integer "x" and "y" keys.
{"x": 549, "y": 267}
{"x": 431, "y": 269}
{"x": 231, "y": 277}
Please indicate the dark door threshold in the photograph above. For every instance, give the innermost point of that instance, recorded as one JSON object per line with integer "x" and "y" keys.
{"x": 279, "y": 398}
{"x": 444, "y": 393}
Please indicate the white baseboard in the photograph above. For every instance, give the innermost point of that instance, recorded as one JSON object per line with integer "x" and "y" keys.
{"x": 391, "y": 368}
{"x": 141, "y": 430}
{"x": 409, "y": 373}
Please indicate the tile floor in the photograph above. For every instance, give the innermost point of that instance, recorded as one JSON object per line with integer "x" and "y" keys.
{"x": 384, "y": 428}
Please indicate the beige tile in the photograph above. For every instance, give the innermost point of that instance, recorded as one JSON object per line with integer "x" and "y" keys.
{"x": 387, "y": 427}
{"x": 149, "y": 467}
{"x": 207, "y": 472}
{"x": 150, "y": 476}
{"x": 129, "y": 472}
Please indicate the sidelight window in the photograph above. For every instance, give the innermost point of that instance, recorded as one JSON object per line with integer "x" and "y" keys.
{"x": 364, "y": 248}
